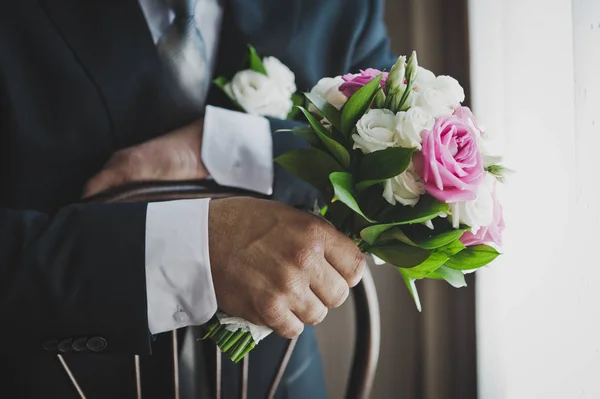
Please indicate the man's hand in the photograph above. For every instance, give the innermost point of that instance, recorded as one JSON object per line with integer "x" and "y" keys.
{"x": 174, "y": 156}
{"x": 277, "y": 266}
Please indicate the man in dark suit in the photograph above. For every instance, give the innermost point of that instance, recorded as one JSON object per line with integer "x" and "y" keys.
{"x": 86, "y": 82}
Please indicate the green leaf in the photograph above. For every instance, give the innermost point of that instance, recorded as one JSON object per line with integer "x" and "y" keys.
{"x": 472, "y": 257}
{"x": 306, "y": 133}
{"x": 343, "y": 187}
{"x": 432, "y": 263}
{"x": 452, "y": 248}
{"x": 499, "y": 172}
{"x": 334, "y": 148}
{"x": 439, "y": 240}
{"x": 381, "y": 165}
{"x": 455, "y": 278}
{"x": 412, "y": 288}
{"x": 311, "y": 165}
{"x": 358, "y": 104}
{"x": 372, "y": 233}
{"x": 396, "y": 233}
{"x": 326, "y": 109}
{"x": 426, "y": 209}
{"x": 255, "y": 61}
{"x": 400, "y": 255}
{"x": 220, "y": 82}
{"x": 445, "y": 241}
{"x": 297, "y": 100}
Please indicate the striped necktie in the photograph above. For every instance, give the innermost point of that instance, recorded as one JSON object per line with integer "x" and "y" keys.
{"x": 183, "y": 52}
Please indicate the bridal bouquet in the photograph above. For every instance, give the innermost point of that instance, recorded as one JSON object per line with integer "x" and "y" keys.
{"x": 405, "y": 172}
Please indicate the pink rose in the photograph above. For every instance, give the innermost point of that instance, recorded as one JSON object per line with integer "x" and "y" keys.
{"x": 466, "y": 115}
{"x": 491, "y": 234}
{"x": 450, "y": 162}
{"x": 354, "y": 82}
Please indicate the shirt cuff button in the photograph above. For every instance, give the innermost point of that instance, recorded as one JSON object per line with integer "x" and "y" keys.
{"x": 181, "y": 317}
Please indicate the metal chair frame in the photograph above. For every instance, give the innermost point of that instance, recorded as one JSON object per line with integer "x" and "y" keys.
{"x": 366, "y": 353}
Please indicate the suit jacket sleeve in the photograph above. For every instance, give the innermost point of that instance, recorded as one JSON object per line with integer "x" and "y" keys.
{"x": 78, "y": 275}
{"x": 372, "y": 48}
{"x": 288, "y": 188}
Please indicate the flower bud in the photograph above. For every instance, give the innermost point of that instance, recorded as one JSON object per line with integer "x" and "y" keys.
{"x": 412, "y": 68}
{"x": 395, "y": 81}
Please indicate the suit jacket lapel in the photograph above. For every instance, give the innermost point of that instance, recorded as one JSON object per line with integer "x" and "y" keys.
{"x": 111, "y": 40}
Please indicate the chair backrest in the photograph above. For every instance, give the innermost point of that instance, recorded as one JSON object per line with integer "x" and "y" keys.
{"x": 366, "y": 349}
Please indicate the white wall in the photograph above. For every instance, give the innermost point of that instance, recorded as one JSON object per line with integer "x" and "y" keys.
{"x": 536, "y": 84}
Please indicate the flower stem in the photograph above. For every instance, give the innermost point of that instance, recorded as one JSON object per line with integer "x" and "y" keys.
{"x": 234, "y": 344}
{"x": 240, "y": 351}
{"x": 225, "y": 337}
{"x": 232, "y": 341}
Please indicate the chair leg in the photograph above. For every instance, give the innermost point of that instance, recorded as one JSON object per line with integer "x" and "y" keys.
{"x": 282, "y": 366}
{"x": 71, "y": 376}
{"x": 175, "y": 364}
{"x": 138, "y": 377}
{"x": 218, "y": 372}
{"x": 244, "y": 382}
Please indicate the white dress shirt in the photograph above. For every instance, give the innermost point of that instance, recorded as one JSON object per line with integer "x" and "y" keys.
{"x": 237, "y": 152}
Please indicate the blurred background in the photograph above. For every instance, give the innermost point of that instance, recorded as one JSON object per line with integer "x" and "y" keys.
{"x": 529, "y": 327}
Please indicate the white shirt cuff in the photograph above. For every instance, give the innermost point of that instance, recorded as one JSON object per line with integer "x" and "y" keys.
{"x": 237, "y": 149}
{"x": 179, "y": 286}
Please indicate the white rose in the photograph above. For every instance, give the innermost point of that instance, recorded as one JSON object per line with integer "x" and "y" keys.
{"x": 328, "y": 89}
{"x": 424, "y": 77}
{"x": 440, "y": 96}
{"x": 376, "y": 131}
{"x": 281, "y": 74}
{"x": 258, "y": 94}
{"x": 406, "y": 188}
{"x": 478, "y": 212}
{"x": 411, "y": 124}
{"x": 454, "y": 91}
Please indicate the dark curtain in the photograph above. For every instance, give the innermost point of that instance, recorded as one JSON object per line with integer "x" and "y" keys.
{"x": 432, "y": 355}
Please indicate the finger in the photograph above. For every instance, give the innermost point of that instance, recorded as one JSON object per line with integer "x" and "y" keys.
{"x": 285, "y": 324}
{"x": 329, "y": 285}
{"x": 103, "y": 181}
{"x": 308, "y": 308}
{"x": 345, "y": 257}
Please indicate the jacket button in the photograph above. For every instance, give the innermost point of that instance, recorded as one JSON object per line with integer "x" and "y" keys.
{"x": 80, "y": 344}
{"x": 50, "y": 345}
{"x": 96, "y": 344}
{"x": 66, "y": 346}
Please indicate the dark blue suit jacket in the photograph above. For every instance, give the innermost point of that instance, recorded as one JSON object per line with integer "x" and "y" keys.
{"x": 80, "y": 79}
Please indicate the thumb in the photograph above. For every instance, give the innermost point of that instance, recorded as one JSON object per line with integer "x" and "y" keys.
{"x": 102, "y": 181}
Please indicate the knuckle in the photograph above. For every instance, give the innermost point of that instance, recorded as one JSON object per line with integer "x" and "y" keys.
{"x": 303, "y": 257}
{"x": 293, "y": 284}
{"x": 313, "y": 228}
{"x": 341, "y": 294}
{"x": 317, "y": 316}
{"x": 271, "y": 309}
{"x": 311, "y": 223}
{"x": 291, "y": 331}
{"x": 358, "y": 267}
